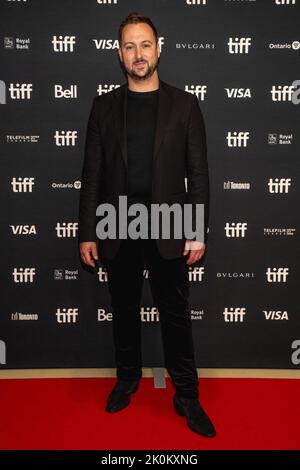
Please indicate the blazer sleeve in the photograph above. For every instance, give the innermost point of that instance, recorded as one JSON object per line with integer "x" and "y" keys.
{"x": 90, "y": 179}
{"x": 197, "y": 164}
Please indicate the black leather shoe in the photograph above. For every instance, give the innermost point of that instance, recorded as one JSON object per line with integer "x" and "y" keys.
{"x": 119, "y": 397}
{"x": 197, "y": 419}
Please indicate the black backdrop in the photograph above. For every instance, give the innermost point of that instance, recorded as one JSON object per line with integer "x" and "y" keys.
{"x": 241, "y": 59}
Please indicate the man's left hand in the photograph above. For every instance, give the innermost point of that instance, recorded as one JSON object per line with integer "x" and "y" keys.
{"x": 196, "y": 249}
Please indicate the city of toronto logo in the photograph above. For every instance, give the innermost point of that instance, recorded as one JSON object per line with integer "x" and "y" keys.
{"x": 155, "y": 221}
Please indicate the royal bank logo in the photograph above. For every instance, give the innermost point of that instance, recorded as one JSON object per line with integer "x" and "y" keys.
{"x": 63, "y": 43}
{"x": 65, "y": 274}
{"x": 295, "y": 358}
{"x": 198, "y": 90}
{"x": 23, "y": 275}
{"x": 234, "y": 314}
{"x": 22, "y": 184}
{"x": 67, "y": 93}
{"x": 280, "y": 139}
{"x": 66, "y": 315}
{"x": 23, "y": 229}
{"x": 235, "y": 229}
{"x": 16, "y": 43}
{"x": 277, "y": 274}
{"x": 282, "y": 92}
{"x": 65, "y": 138}
{"x": 103, "y": 89}
{"x": 237, "y": 139}
{"x": 234, "y": 185}
{"x": 66, "y": 229}
{"x": 238, "y": 92}
{"x": 2, "y": 352}
{"x": 279, "y": 185}
{"x": 239, "y": 45}
{"x": 276, "y": 314}
{"x": 197, "y": 314}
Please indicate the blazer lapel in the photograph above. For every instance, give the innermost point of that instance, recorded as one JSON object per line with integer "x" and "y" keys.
{"x": 119, "y": 111}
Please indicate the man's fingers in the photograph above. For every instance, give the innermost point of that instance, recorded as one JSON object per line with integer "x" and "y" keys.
{"x": 95, "y": 252}
{"x": 87, "y": 258}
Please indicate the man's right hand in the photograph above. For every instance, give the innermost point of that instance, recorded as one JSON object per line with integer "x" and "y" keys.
{"x": 88, "y": 252}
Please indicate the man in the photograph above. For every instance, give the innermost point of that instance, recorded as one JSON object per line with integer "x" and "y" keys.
{"x": 143, "y": 138}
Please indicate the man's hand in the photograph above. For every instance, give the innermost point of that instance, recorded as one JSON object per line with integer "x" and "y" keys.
{"x": 196, "y": 249}
{"x": 88, "y": 251}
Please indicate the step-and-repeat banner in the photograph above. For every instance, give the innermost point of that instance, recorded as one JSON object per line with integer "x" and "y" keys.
{"x": 241, "y": 59}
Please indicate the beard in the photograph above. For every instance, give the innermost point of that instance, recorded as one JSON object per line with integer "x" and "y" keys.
{"x": 149, "y": 70}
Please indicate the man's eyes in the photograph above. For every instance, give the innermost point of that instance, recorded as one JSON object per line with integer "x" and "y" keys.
{"x": 145, "y": 45}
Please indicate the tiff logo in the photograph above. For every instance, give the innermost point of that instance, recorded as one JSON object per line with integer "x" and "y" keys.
{"x": 239, "y": 45}
{"x": 285, "y": 2}
{"x": 237, "y": 139}
{"x": 196, "y": 274}
{"x": 66, "y": 230}
{"x": 198, "y": 90}
{"x": 296, "y": 354}
{"x": 63, "y": 43}
{"x": 107, "y": 2}
{"x": 65, "y": 138}
{"x": 282, "y": 92}
{"x": 22, "y": 185}
{"x": 20, "y": 91}
{"x": 234, "y": 314}
{"x": 196, "y": 2}
{"x": 2, "y": 352}
{"x": 277, "y": 274}
{"x": 23, "y": 275}
{"x": 103, "y": 89}
{"x": 66, "y": 315}
{"x": 233, "y": 229}
{"x": 279, "y": 185}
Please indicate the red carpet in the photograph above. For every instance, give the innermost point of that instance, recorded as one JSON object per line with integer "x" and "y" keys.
{"x": 69, "y": 414}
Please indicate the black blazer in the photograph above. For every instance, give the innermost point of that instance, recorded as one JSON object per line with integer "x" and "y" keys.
{"x": 179, "y": 152}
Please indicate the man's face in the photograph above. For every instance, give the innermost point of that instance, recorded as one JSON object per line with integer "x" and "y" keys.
{"x": 139, "y": 51}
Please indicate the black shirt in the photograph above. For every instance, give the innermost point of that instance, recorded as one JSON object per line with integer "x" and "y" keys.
{"x": 141, "y": 125}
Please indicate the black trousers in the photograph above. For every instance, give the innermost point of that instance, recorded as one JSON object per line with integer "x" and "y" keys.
{"x": 169, "y": 285}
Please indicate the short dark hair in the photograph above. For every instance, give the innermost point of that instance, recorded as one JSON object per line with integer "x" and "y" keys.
{"x": 134, "y": 18}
